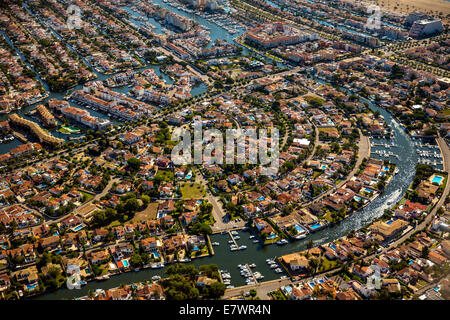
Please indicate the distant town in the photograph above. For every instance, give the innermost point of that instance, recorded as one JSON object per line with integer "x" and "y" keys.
{"x": 93, "y": 205}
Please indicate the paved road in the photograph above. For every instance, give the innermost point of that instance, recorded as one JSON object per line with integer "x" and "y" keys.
{"x": 96, "y": 197}
{"x": 364, "y": 152}
{"x": 316, "y": 143}
{"x": 218, "y": 211}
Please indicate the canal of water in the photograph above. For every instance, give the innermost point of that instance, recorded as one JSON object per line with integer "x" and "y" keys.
{"x": 256, "y": 253}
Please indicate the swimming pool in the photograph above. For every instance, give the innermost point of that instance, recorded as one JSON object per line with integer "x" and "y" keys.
{"x": 79, "y": 227}
{"x": 437, "y": 179}
{"x": 271, "y": 236}
{"x": 32, "y": 286}
{"x": 160, "y": 215}
{"x": 188, "y": 176}
{"x": 315, "y": 226}
{"x": 126, "y": 264}
{"x": 357, "y": 198}
{"x": 368, "y": 190}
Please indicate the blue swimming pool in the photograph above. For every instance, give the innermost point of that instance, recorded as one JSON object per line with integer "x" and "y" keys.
{"x": 315, "y": 226}
{"x": 79, "y": 227}
{"x": 271, "y": 236}
{"x": 437, "y": 179}
{"x": 261, "y": 198}
{"x": 32, "y": 286}
{"x": 357, "y": 198}
{"x": 368, "y": 190}
{"x": 126, "y": 264}
{"x": 195, "y": 248}
{"x": 189, "y": 175}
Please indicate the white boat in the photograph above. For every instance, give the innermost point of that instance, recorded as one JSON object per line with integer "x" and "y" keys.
{"x": 215, "y": 243}
{"x": 255, "y": 241}
{"x": 278, "y": 270}
{"x": 273, "y": 266}
{"x": 282, "y": 242}
{"x": 231, "y": 241}
{"x": 242, "y": 247}
{"x": 252, "y": 265}
{"x": 156, "y": 278}
{"x": 237, "y": 238}
{"x": 251, "y": 237}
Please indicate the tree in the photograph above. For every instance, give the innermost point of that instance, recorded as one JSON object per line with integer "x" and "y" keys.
{"x": 217, "y": 290}
{"x": 252, "y": 293}
{"x": 145, "y": 199}
{"x": 313, "y": 264}
{"x": 131, "y": 205}
{"x": 134, "y": 164}
{"x": 136, "y": 260}
{"x": 201, "y": 228}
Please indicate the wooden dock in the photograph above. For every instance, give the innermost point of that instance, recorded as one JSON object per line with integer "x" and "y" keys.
{"x": 251, "y": 272}
{"x": 20, "y": 136}
{"x": 232, "y": 238}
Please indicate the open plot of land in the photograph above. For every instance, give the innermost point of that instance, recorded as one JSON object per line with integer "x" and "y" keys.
{"x": 192, "y": 191}
{"x": 433, "y": 7}
{"x": 166, "y": 175}
{"x": 148, "y": 213}
{"x": 88, "y": 196}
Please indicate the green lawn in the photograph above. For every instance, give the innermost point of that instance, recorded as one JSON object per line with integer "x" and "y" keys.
{"x": 192, "y": 191}
{"x": 166, "y": 175}
{"x": 87, "y": 195}
{"x": 327, "y": 264}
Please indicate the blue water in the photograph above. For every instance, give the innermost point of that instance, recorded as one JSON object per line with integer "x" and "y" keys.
{"x": 437, "y": 179}
{"x": 33, "y": 286}
{"x": 315, "y": 226}
{"x": 79, "y": 227}
{"x": 125, "y": 263}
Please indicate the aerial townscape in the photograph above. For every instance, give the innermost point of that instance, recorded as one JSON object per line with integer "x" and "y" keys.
{"x": 354, "y": 97}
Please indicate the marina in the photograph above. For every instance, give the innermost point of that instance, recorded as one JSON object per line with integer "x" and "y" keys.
{"x": 257, "y": 253}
